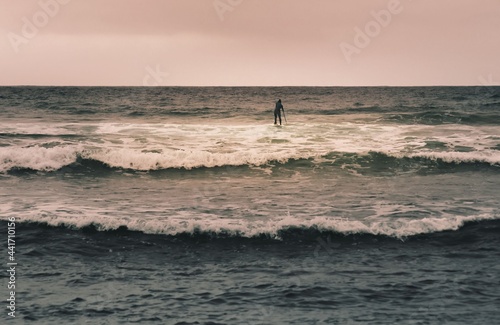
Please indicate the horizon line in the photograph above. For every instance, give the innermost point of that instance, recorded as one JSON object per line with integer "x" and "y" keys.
{"x": 251, "y": 86}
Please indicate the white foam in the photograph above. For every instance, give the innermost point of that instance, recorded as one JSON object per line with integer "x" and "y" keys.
{"x": 491, "y": 157}
{"x": 173, "y": 225}
{"x": 157, "y": 146}
{"x": 188, "y": 159}
{"x": 37, "y": 158}
{"x": 41, "y": 129}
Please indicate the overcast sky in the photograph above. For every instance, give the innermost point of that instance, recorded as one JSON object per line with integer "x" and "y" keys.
{"x": 249, "y": 42}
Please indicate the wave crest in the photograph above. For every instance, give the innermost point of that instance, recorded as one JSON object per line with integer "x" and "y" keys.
{"x": 58, "y": 158}
{"x": 278, "y": 229}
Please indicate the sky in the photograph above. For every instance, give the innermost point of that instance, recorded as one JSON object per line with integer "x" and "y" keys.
{"x": 250, "y": 42}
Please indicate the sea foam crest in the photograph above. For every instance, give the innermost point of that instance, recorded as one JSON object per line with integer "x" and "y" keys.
{"x": 187, "y": 159}
{"x": 399, "y": 228}
{"x": 487, "y": 156}
{"x": 37, "y": 158}
{"x": 54, "y": 158}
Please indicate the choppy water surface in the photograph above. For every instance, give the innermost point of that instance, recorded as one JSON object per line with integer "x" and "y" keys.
{"x": 187, "y": 205}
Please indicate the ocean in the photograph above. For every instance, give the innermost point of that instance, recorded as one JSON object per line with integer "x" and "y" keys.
{"x": 187, "y": 205}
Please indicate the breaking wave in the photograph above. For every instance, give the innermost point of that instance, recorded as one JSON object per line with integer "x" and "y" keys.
{"x": 71, "y": 158}
{"x": 278, "y": 229}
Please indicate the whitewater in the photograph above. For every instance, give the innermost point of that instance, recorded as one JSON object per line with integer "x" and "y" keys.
{"x": 162, "y": 146}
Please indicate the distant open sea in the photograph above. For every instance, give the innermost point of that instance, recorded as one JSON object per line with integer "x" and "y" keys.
{"x": 186, "y": 205}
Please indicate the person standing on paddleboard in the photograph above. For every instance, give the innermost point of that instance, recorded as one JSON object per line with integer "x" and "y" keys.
{"x": 277, "y": 111}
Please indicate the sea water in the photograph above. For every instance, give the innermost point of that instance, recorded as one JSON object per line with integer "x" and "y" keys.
{"x": 187, "y": 205}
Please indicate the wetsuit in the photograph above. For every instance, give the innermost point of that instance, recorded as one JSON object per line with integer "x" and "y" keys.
{"x": 277, "y": 111}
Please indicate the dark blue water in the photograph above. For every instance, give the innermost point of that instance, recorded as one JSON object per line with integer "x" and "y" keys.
{"x": 188, "y": 206}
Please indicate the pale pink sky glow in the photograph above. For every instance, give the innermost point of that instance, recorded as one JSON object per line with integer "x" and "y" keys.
{"x": 249, "y": 42}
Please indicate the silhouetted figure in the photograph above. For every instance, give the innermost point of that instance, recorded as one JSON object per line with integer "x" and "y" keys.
{"x": 277, "y": 111}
